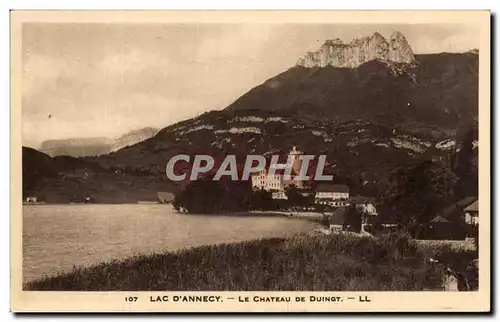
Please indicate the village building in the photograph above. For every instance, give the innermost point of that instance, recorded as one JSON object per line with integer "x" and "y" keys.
{"x": 472, "y": 213}
{"x": 332, "y": 191}
{"x": 332, "y": 194}
{"x": 31, "y": 200}
{"x": 339, "y": 217}
{"x": 440, "y": 228}
{"x": 280, "y": 194}
{"x": 448, "y": 224}
{"x": 165, "y": 197}
{"x": 465, "y": 210}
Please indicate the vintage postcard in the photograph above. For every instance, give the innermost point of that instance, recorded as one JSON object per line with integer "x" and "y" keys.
{"x": 259, "y": 161}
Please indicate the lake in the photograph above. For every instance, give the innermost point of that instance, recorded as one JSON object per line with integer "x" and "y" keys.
{"x": 58, "y": 237}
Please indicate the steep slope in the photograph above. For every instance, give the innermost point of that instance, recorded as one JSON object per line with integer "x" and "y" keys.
{"x": 441, "y": 89}
{"x": 133, "y": 137}
{"x": 359, "y": 153}
{"x": 357, "y": 150}
{"x": 36, "y": 165}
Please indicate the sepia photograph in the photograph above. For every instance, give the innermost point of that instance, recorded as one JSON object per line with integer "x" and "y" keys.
{"x": 193, "y": 158}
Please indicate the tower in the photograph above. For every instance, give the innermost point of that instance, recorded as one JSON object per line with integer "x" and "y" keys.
{"x": 296, "y": 162}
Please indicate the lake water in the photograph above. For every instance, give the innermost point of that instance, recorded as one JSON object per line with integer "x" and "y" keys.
{"x": 57, "y": 237}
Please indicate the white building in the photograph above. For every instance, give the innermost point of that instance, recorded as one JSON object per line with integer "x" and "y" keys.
{"x": 262, "y": 180}
{"x": 369, "y": 209}
{"x": 334, "y": 194}
{"x": 332, "y": 191}
{"x": 472, "y": 214}
{"x": 31, "y": 199}
{"x": 276, "y": 182}
{"x": 279, "y": 194}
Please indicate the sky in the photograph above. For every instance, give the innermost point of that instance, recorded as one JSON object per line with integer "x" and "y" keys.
{"x": 103, "y": 80}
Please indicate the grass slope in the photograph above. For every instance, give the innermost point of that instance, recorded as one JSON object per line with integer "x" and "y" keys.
{"x": 300, "y": 263}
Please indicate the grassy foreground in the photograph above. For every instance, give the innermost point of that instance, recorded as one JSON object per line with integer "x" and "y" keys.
{"x": 303, "y": 262}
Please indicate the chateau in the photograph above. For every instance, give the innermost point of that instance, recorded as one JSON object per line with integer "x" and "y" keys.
{"x": 277, "y": 182}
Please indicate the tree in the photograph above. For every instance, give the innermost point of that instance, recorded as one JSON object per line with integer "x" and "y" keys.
{"x": 465, "y": 166}
{"x": 262, "y": 200}
{"x": 353, "y": 218}
{"x": 293, "y": 195}
{"x": 236, "y": 195}
{"x": 414, "y": 195}
{"x": 208, "y": 196}
{"x": 299, "y": 197}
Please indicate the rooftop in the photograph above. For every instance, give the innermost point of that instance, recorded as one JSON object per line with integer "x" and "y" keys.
{"x": 165, "y": 195}
{"x": 472, "y": 207}
{"x": 328, "y": 187}
{"x": 458, "y": 206}
{"x": 439, "y": 219}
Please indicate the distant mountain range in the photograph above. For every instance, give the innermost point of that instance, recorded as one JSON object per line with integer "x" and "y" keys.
{"x": 371, "y": 106}
{"x": 82, "y": 147}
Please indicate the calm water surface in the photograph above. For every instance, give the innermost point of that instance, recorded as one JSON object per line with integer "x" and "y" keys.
{"x": 57, "y": 237}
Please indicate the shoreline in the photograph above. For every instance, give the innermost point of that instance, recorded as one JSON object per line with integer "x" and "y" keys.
{"x": 318, "y": 229}
{"x": 332, "y": 265}
{"x": 263, "y": 213}
{"x": 159, "y": 228}
{"x": 247, "y": 213}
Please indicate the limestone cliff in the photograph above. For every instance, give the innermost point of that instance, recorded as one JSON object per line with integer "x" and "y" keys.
{"x": 338, "y": 54}
{"x": 133, "y": 137}
{"x": 83, "y": 147}
{"x": 76, "y": 147}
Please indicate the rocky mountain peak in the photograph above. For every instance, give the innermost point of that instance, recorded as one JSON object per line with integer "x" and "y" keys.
{"x": 378, "y": 38}
{"x": 397, "y": 35}
{"x": 360, "y": 50}
{"x": 399, "y": 49}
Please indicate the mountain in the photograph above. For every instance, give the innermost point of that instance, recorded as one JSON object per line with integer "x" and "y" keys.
{"x": 376, "y": 79}
{"x": 76, "y": 147}
{"x": 357, "y": 150}
{"x": 393, "y": 110}
{"x": 438, "y": 89}
{"x": 36, "y": 165}
{"x": 85, "y": 147}
{"x": 359, "y": 51}
{"x": 64, "y": 179}
{"x": 133, "y": 137}
{"x": 359, "y": 153}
